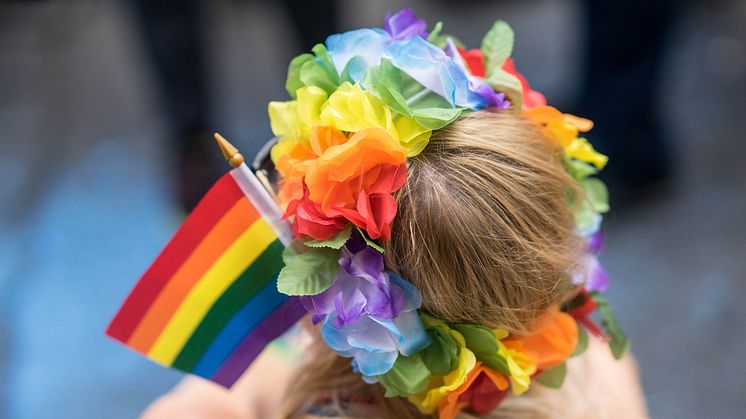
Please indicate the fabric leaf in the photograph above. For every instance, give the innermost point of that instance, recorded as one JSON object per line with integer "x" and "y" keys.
{"x": 405, "y": 95}
{"x": 619, "y": 342}
{"x": 553, "y": 378}
{"x": 439, "y": 39}
{"x": 314, "y": 69}
{"x": 293, "y": 82}
{"x": 596, "y": 194}
{"x": 308, "y": 271}
{"x": 408, "y": 376}
{"x": 335, "y": 242}
{"x": 582, "y": 345}
{"x": 504, "y": 82}
{"x": 483, "y": 343}
{"x": 497, "y": 46}
{"x": 579, "y": 170}
{"x": 435, "y": 33}
{"x": 369, "y": 241}
{"x": 441, "y": 356}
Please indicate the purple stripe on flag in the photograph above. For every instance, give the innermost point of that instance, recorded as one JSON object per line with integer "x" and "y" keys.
{"x": 252, "y": 344}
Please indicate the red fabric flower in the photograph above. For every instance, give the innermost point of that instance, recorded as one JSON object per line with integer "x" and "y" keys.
{"x": 474, "y": 60}
{"x": 482, "y": 391}
{"x": 531, "y": 98}
{"x": 483, "y": 396}
{"x": 311, "y": 221}
{"x": 582, "y": 312}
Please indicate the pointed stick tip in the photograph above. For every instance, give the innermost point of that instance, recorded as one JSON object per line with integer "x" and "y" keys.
{"x": 230, "y": 152}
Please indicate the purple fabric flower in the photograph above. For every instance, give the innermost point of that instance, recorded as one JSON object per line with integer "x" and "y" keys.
{"x": 361, "y": 287}
{"x": 404, "y": 25}
{"x": 368, "y": 314}
{"x": 596, "y": 242}
{"x": 374, "y": 343}
{"x": 591, "y": 274}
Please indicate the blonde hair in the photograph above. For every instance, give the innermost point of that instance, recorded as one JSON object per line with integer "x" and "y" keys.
{"x": 483, "y": 230}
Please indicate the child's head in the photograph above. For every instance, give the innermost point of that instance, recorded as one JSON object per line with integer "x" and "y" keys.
{"x": 483, "y": 229}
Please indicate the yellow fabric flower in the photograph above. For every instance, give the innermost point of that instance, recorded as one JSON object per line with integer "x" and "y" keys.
{"x": 351, "y": 109}
{"x": 564, "y": 129}
{"x": 440, "y": 386}
{"x": 582, "y": 150}
{"x": 348, "y": 109}
{"x": 520, "y": 365}
{"x": 292, "y": 120}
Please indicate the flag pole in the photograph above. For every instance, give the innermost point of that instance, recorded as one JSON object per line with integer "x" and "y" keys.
{"x": 255, "y": 191}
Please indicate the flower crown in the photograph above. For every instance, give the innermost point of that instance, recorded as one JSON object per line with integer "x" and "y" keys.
{"x": 361, "y": 105}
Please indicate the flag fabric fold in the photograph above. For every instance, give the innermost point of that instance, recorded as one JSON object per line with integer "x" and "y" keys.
{"x": 209, "y": 303}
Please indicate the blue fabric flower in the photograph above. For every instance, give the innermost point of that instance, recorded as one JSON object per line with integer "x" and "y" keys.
{"x": 402, "y": 42}
{"x": 435, "y": 70}
{"x": 476, "y": 85}
{"x": 359, "y": 49}
{"x": 375, "y": 343}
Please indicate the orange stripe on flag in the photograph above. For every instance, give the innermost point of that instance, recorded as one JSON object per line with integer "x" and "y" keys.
{"x": 233, "y": 224}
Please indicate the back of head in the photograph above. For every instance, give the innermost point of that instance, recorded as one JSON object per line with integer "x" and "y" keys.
{"x": 483, "y": 230}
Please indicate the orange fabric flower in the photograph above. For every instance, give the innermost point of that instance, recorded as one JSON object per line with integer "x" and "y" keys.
{"x": 482, "y": 391}
{"x": 348, "y": 179}
{"x": 553, "y": 341}
{"x": 293, "y": 159}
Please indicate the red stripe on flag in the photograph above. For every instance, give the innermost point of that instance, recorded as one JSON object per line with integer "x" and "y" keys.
{"x": 218, "y": 200}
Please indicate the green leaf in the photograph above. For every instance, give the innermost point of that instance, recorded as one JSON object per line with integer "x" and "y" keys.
{"x": 335, "y": 242}
{"x": 408, "y": 376}
{"x": 584, "y": 215}
{"x": 293, "y": 82}
{"x": 435, "y": 32}
{"x": 369, "y": 241}
{"x": 483, "y": 343}
{"x": 308, "y": 270}
{"x": 619, "y": 342}
{"x": 404, "y": 95}
{"x": 596, "y": 194}
{"x": 582, "y": 342}
{"x": 579, "y": 170}
{"x": 554, "y": 377}
{"x": 441, "y": 357}
{"x": 439, "y": 39}
{"x": 436, "y": 117}
{"x": 497, "y": 46}
{"x": 502, "y": 81}
{"x": 315, "y": 69}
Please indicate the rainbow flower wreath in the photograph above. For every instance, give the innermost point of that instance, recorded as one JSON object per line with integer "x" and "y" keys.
{"x": 361, "y": 105}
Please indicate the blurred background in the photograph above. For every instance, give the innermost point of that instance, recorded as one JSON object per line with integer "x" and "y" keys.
{"x": 106, "y": 110}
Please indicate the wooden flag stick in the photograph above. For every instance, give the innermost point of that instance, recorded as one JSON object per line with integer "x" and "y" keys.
{"x": 230, "y": 152}
{"x": 253, "y": 189}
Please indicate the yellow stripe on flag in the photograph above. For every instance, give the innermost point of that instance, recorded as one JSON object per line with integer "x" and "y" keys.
{"x": 210, "y": 287}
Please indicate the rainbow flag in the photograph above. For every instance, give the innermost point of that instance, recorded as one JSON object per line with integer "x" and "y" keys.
{"x": 209, "y": 303}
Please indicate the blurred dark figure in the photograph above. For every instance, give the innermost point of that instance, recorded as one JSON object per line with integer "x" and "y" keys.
{"x": 623, "y": 63}
{"x": 174, "y": 39}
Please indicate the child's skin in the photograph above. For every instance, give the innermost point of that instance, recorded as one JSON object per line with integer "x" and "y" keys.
{"x": 613, "y": 386}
